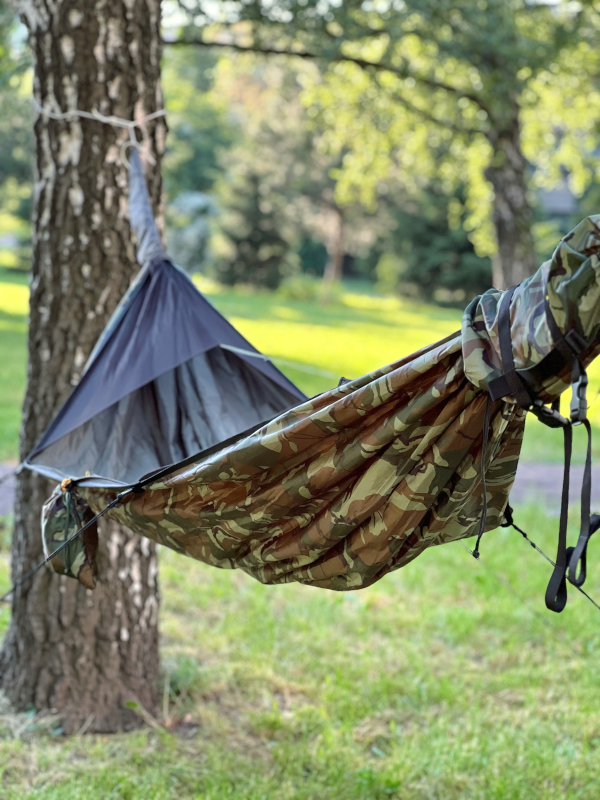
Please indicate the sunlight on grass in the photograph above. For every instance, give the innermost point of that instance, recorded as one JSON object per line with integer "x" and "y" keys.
{"x": 14, "y": 299}
{"x": 14, "y": 307}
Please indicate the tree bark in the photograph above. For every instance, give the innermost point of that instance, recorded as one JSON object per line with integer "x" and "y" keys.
{"x": 83, "y": 653}
{"x": 512, "y": 214}
{"x": 335, "y": 247}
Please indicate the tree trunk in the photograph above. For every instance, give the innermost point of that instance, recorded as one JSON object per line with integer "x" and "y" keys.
{"x": 515, "y": 259}
{"x": 83, "y": 653}
{"x": 335, "y": 247}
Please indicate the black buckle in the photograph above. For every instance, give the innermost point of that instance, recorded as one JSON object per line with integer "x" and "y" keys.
{"x": 548, "y": 415}
{"x": 579, "y": 399}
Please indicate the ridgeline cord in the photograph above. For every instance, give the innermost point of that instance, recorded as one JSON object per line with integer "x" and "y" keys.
{"x": 508, "y": 522}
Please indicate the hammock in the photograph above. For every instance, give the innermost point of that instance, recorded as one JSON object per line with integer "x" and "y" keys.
{"x": 357, "y": 482}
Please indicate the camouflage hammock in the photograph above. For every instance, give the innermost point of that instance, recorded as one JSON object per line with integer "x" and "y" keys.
{"x": 358, "y": 481}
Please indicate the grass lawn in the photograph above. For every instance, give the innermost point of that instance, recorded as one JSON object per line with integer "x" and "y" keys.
{"x": 14, "y": 307}
{"x": 434, "y": 684}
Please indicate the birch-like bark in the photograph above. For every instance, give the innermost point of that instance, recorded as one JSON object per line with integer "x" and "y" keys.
{"x": 83, "y": 653}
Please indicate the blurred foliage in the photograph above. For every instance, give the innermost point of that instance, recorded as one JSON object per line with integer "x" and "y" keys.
{"x": 274, "y": 196}
{"x": 189, "y": 228}
{"x": 200, "y": 131}
{"x": 463, "y": 92}
{"x": 255, "y": 251}
{"x": 16, "y": 143}
{"x": 391, "y": 133}
{"x": 307, "y": 288}
{"x": 429, "y": 254}
{"x": 200, "y": 128}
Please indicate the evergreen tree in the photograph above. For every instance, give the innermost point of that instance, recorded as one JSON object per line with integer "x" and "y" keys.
{"x": 256, "y": 252}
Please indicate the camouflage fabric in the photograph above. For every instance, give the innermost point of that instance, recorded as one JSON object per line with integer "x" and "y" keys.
{"x": 571, "y": 280}
{"x": 62, "y": 515}
{"x": 358, "y": 481}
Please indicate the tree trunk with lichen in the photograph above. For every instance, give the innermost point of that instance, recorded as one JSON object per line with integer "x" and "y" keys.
{"x": 512, "y": 214}
{"x": 80, "y": 652}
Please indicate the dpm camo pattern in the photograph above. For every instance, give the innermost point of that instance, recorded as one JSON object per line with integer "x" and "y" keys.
{"x": 359, "y": 481}
{"x": 63, "y": 514}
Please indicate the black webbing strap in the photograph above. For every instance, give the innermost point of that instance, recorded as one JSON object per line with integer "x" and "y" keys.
{"x": 570, "y": 561}
{"x": 523, "y": 383}
{"x": 515, "y": 385}
{"x": 578, "y": 557}
{"x": 556, "y": 593}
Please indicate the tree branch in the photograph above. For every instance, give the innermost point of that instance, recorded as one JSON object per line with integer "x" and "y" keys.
{"x": 360, "y": 62}
{"x": 466, "y": 131}
{"x": 270, "y": 51}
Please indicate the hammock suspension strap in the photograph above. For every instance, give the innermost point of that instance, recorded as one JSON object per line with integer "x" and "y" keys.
{"x": 570, "y": 562}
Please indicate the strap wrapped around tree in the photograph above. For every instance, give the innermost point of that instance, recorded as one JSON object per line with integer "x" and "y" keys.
{"x": 358, "y": 481}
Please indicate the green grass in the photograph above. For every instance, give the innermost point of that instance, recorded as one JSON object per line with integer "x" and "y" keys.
{"x": 436, "y": 683}
{"x": 14, "y": 308}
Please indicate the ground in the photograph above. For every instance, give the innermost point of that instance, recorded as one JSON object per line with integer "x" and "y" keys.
{"x": 446, "y": 680}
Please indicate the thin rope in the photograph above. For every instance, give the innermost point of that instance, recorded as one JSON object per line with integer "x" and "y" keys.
{"x": 117, "y": 122}
{"x": 541, "y": 552}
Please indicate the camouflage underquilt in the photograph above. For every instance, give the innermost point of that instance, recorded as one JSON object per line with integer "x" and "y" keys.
{"x": 360, "y": 480}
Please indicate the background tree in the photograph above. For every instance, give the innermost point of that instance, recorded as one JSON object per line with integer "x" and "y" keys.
{"x": 82, "y": 653}
{"x": 255, "y": 249}
{"x": 412, "y": 75}
{"x": 427, "y": 253}
{"x": 282, "y": 147}
{"x": 201, "y": 132}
